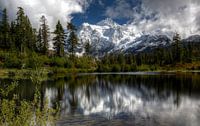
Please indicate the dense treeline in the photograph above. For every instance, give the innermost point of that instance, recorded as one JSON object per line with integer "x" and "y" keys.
{"x": 19, "y": 35}
{"x": 173, "y": 56}
{"x": 23, "y": 46}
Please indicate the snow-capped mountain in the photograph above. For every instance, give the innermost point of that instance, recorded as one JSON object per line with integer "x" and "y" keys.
{"x": 107, "y": 36}
{"x": 193, "y": 38}
{"x": 147, "y": 43}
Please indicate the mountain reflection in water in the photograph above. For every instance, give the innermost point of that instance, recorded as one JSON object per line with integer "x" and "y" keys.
{"x": 167, "y": 99}
{"x": 123, "y": 99}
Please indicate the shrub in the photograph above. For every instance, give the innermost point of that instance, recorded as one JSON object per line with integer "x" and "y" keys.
{"x": 68, "y": 64}
{"x": 12, "y": 61}
{"x": 57, "y": 62}
{"x": 85, "y": 63}
{"x": 103, "y": 68}
{"x": 133, "y": 67}
{"x": 116, "y": 68}
{"x": 127, "y": 68}
{"x": 34, "y": 61}
{"x": 45, "y": 60}
{"x": 143, "y": 68}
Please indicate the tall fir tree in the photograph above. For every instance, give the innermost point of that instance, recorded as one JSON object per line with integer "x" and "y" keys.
{"x": 39, "y": 43}
{"x": 20, "y": 37}
{"x": 72, "y": 41}
{"x": 178, "y": 48}
{"x": 13, "y": 35}
{"x": 25, "y": 37}
{"x": 59, "y": 40}
{"x": 45, "y": 34}
{"x": 30, "y": 35}
{"x": 5, "y": 41}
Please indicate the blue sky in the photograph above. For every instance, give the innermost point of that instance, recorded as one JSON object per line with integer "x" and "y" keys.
{"x": 98, "y": 10}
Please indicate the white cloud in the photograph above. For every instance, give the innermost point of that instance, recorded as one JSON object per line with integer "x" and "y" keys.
{"x": 169, "y": 15}
{"x": 120, "y": 9}
{"x": 174, "y": 15}
{"x": 53, "y": 9}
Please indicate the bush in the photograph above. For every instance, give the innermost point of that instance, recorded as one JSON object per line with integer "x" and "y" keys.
{"x": 133, "y": 67}
{"x": 45, "y": 60}
{"x": 34, "y": 61}
{"x": 103, "y": 68}
{"x": 12, "y": 61}
{"x": 116, "y": 68}
{"x": 143, "y": 68}
{"x": 127, "y": 68}
{"x": 68, "y": 64}
{"x": 85, "y": 63}
{"x": 153, "y": 67}
{"x": 57, "y": 62}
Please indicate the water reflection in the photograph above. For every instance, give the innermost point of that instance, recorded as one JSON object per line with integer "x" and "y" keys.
{"x": 163, "y": 99}
{"x": 156, "y": 99}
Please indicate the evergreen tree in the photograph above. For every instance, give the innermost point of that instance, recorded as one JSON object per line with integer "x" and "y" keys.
{"x": 30, "y": 35}
{"x": 13, "y": 35}
{"x": 178, "y": 49}
{"x": 45, "y": 34}
{"x": 5, "y": 31}
{"x": 20, "y": 37}
{"x": 72, "y": 39}
{"x": 59, "y": 40}
{"x": 39, "y": 44}
{"x": 25, "y": 37}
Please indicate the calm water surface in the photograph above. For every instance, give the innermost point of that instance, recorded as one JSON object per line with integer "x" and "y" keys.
{"x": 122, "y": 99}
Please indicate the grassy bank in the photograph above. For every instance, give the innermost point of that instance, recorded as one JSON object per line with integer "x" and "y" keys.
{"x": 61, "y": 72}
{"x": 48, "y": 72}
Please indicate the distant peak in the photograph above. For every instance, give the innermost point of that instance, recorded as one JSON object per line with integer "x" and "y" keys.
{"x": 85, "y": 24}
{"x": 108, "y": 22}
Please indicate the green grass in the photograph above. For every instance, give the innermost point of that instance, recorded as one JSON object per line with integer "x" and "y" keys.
{"x": 47, "y": 71}
{"x": 61, "y": 71}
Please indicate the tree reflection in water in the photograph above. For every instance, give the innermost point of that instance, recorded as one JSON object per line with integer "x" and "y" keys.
{"x": 122, "y": 99}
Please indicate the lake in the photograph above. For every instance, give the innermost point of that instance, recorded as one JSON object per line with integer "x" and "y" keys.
{"x": 121, "y": 99}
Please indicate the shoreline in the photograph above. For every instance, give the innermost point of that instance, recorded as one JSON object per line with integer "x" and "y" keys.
{"x": 62, "y": 72}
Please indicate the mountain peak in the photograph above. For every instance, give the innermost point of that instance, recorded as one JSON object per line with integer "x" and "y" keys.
{"x": 108, "y": 37}
{"x": 107, "y": 22}
{"x": 193, "y": 38}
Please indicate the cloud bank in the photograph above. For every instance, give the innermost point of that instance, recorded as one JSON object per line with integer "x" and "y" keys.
{"x": 162, "y": 16}
{"x": 121, "y": 9}
{"x": 54, "y": 10}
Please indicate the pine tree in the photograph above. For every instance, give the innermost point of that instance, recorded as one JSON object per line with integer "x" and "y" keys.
{"x": 39, "y": 44}
{"x": 59, "y": 40}
{"x": 13, "y": 35}
{"x": 5, "y": 31}
{"x": 178, "y": 49}
{"x": 45, "y": 34}
{"x": 72, "y": 39}
{"x": 20, "y": 30}
{"x": 30, "y": 35}
{"x": 25, "y": 35}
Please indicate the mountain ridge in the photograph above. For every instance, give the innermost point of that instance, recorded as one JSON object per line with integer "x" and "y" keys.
{"x": 108, "y": 37}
